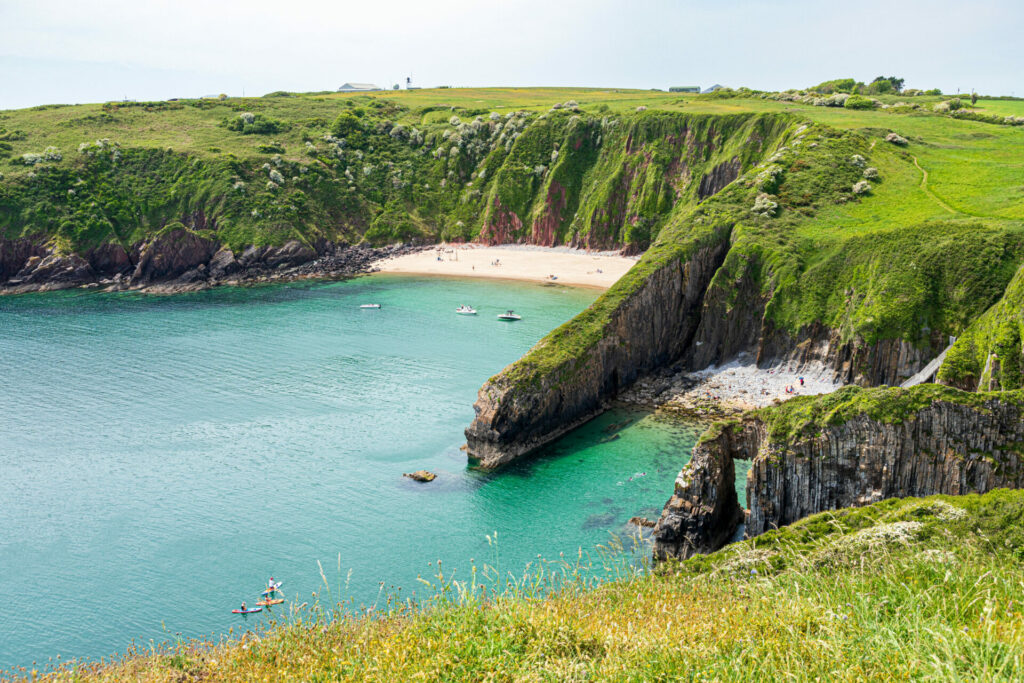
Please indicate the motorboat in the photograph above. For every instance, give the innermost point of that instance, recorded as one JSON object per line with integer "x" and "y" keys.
{"x": 465, "y": 310}
{"x": 510, "y": 316}
{"x": 370, "y": 306}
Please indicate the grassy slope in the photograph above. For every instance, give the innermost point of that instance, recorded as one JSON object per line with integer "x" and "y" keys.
{"x": 922, "y": 589}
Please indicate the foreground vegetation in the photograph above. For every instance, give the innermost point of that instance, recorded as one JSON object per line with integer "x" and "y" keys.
{"x": 911, "y": 589}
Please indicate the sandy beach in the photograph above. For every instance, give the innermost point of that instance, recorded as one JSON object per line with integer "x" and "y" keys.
{"x": 514, "y": 262}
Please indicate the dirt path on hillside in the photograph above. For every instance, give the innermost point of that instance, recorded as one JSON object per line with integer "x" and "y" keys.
{"x": 928, "y": 190}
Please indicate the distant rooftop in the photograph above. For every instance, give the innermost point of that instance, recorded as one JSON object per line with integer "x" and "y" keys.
{"x": 713, "y": 88}
{"x": 684, "y": 88}
{"x": 350, "y": 87}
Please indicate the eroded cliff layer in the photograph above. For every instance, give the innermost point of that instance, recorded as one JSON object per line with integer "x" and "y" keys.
{"x": 851, "y": 448}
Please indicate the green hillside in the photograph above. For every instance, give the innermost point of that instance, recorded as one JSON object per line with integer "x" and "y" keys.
{"x": 909, "y": 589}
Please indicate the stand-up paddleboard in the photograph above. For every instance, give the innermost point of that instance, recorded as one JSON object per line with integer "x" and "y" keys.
{"x": 270, "y": 601}
{"x": 272, "y": 590}
{"x": 250, "y": 610}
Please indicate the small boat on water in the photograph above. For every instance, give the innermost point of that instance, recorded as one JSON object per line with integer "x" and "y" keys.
{"x": 370, "y": 306}
{"x": 510, "y": 316}
{"x": 272, "y": 589}
{"x": 249, "y": 610}
{"x": 465, "y": 310}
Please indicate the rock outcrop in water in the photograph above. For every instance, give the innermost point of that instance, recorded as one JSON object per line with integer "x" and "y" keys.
{"x": 850, "y": 449}
{"x": 177, "y": 261}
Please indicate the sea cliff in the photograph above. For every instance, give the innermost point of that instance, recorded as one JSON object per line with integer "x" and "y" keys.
{"x": 852, "y": 448}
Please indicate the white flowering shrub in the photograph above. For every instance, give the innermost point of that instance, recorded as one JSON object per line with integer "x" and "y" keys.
{"x": 768, "y": 180}
{"x": 247, "y": 117}
{"x": 454, "y": 121}
{"x": 93, "y": 148}
{"x": 837, "y": 99}
{"x": 765, "y": 206}
{"x": 858, "y": 161}
{"x": 871, "y": 173}
{"x": 367, "y": 169}
{"x": 31, "y": 158}
{"x": 540, "y": 170}
{"x": 554, "y": 156}
{"x": 239, "y": 186}
{"x": 861, "y": 187}
{"x": 398, "y": 132}
{"x": 494, "y": 116}
{"x": 276, "y": 160}
{"x": 641, "y": 108}
{"x": 276, "y": 176}
{"x": 310, "y": 148}
{"x": 271, "y": 185}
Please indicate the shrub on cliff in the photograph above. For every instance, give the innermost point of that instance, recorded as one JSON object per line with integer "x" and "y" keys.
{"x": 248, "y": 123}
{"x": 764, "y": 205}
{"x": 859, "y": 102}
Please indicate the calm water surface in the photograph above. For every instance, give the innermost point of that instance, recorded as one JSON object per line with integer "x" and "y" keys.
{"x": 162, "y": 456}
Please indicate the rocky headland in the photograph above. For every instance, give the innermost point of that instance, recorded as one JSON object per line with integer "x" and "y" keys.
{"x": 180, "y": 260}
{"x": 852, "y": 448}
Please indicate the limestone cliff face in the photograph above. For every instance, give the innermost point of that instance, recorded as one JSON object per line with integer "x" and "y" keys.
{"x": 652, "y": 326}
{"x": 945, "y": 447}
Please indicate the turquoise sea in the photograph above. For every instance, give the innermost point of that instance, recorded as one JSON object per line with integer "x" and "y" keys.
{"x": 162, "y": 456}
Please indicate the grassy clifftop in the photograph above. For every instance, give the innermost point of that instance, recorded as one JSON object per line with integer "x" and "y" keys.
{"x": 921, "y": 589}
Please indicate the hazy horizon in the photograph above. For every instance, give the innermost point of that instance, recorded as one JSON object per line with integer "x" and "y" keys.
{"x": 64, "y": 52}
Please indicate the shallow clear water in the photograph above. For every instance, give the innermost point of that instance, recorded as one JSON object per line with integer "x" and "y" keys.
{"x": 162, "y": 456}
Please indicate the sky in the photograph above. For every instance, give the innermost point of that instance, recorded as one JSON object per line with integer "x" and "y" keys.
{"x": 70, "y": 51}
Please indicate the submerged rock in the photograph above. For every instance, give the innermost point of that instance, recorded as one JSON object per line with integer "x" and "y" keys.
{"x": 421, "y": 475}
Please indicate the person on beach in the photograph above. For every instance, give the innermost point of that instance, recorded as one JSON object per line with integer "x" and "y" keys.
{"x": 801, "y": 381}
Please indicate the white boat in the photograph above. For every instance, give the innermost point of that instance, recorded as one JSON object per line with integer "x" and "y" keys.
{"x": 370, "y": 306}
{"x": 509, "y": 315}
{"x": 465, "y": 310}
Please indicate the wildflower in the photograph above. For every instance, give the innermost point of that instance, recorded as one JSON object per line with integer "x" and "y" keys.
{"x": 764, "y": 205}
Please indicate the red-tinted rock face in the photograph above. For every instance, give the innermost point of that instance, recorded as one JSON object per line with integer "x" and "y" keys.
{"x": 545, "y": 228}
{"x": 172, "y": 254}
{"x": 503, "y": 227}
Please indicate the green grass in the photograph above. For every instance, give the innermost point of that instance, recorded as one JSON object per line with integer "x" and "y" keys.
{"x": 910, "y": 589}
{"x": 808, "y": 415}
